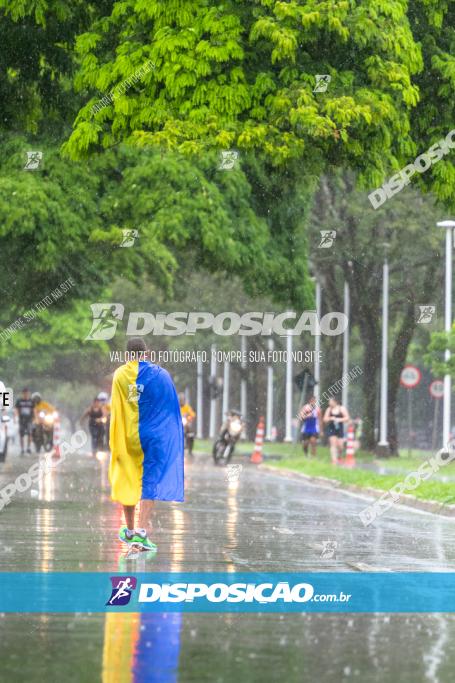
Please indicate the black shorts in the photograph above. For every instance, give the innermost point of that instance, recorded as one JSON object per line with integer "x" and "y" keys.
{"x": 307, "y": 435}
{"x": 337, "y": 431}
{"x": 25, "y": 426}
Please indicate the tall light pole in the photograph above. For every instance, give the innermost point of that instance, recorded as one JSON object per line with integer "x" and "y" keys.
{"x": 226, "y": 373}
{"x": 212, "y": 422}
{"x": 383, "y": 444}
{"x": 243, "y": 384}
{"x": 199, "y": 398}
{"x": 344, "y": 391}
{"x": 269, "y": 413}
{"x": 448, "y": 226}
{"x": 317, "y": 346}
{"x": 288, "y": 431}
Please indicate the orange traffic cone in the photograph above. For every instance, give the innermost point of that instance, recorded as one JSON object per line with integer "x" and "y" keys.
{"x": 256, "y": 457}
{"x": 350, "y": 450}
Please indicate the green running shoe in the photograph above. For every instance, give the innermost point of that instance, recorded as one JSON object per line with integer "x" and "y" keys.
{"x": 139, "y": 538}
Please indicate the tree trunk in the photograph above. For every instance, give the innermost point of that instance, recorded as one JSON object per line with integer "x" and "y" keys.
{"x": 400, "y": 352}
{"x": 371, "y": 359}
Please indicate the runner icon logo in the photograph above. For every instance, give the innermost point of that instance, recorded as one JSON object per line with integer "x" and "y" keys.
{"x": 122, "y": 587}
{"x": 322, "y": 82}
{"x": 105, "y": 320}
{"x": 134, "y": 392}
{"x": 327, "y": 239}
{"x": 229, "y": 159}
{"x": 129, "y": 238}
{"x": 425, "y": 314}
{"x": 33, "y": 161}
{"x": 329, "y": 549}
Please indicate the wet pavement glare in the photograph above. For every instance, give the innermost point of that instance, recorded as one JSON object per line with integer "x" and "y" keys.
{"x": 262, "y": 522}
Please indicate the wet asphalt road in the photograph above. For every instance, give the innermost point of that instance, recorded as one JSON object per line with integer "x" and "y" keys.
{"x": 262, "y": 522}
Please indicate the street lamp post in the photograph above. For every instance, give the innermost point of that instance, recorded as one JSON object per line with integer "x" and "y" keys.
{"x": 243, "y": 385}
{"x": 448, "y": 226}
{"x": 269, "y": 413}
{"x": 199, "y": 399}
{"x": 317, "y": 346}
{"x": 383, "y": 445}
{"x": 226, "y": 377}
{"x": 288, "y": 400}
{"x": 212, "y": 422}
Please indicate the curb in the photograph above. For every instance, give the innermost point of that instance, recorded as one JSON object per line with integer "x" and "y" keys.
{"x": 433, "y": 506}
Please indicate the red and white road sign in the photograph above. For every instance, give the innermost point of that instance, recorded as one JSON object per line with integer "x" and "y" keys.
{"x": 436, "y": 388}
{"x": 410, "y": 376}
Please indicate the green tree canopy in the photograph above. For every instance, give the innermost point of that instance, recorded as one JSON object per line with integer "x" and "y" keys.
{"x": 242, "y": 75}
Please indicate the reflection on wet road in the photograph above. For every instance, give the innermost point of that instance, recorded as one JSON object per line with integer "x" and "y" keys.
{"x": 262, "y": 522}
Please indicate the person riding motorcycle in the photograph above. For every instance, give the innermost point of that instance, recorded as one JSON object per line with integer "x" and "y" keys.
{"x": 188, "y": 415}
{"x": 103, "y": 397}
{"x": 40, "y": 405}
{"x": 44, "y": 414}
{"x": 97, "y": 420}
{"x": 230, "y": 432}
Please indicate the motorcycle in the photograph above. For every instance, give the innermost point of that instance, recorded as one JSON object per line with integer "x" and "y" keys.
{"x": 224, "y": 446}
{"x": 43, "y": 431}
{"x": 188, "y": 434}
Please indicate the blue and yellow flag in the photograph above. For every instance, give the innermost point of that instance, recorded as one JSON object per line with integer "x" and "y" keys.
{"x": 146, "y": 435}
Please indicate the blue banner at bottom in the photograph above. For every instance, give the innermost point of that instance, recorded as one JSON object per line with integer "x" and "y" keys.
{"x": 227, "y": 592}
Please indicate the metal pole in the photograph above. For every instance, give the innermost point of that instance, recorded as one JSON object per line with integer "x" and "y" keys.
{"x": 212, "y": 424}
{"x": 409, "y": 421}
{"x": 447, "y": 328}
{"x": 243, "y": 385}
{"x": 383, "y": 442}
{"x": 317, "y": 347}
{"x": 435, "y": 424}
{"x": 199, "y": 399}
{"x": 344, "y": 391}
{"x": 226, "y": 369}
{"x": 288, "y": 437}
{"x": 269, "y": 413}
{"x": 303, "y": 394}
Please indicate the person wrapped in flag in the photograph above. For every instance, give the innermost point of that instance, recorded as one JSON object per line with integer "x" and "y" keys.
{"x": 146, "y": 441}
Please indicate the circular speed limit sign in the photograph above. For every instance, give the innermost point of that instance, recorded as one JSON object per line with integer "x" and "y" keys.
{"x": 436, "y": 388}
{"x": 410, "y": 376}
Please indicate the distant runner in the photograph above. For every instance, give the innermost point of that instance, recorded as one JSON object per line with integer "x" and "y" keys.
{"x": 25, "y": 411}
{"x": 146, "y": 439}
{"x": 310, "y": 415}
{"x": 334, "y": 417}
{"x": 188, "y": 416}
